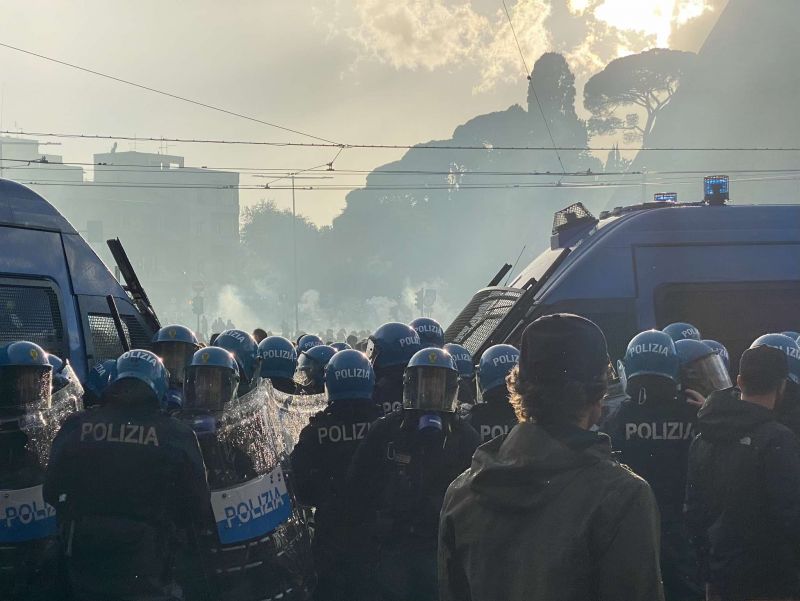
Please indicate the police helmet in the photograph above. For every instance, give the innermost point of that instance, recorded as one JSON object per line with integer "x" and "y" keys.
{"x": 340, "y": 346}
{"x": 212, "y": 380}
{"x": 681, "y": 330}
{"x": 392, "y": 344}
{"x": 788, "y": 346}
{"x": 429, "y": 331}
{"x": 310, "y": 373}
{"x": 98, "y": 379}
{"x": 702, "y": 369}
{"x": 430, "y": 382}
{"x": 495, "y": 364}
{"x": 143, "y": 367}
{"x": 721, "y": 350}
{"x": 463, "y": 359}
{"x": 244, "y": 349}
{"x": 25, "y": 378}
{"x": 308, "y": 341}
{"x": 175, "y": 344}
{"x": 793, "y": 335}
{"x": 349, "y": 376}
{"x": 278, "y": 357}
{"x": 652, "y": 353}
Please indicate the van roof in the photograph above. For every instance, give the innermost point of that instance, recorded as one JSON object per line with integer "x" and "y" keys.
{"x": 22, "y": 207}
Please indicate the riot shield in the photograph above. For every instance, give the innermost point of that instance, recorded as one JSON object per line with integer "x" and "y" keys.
{"x": 293, "y": 412}
{"x": 260, "y": 546}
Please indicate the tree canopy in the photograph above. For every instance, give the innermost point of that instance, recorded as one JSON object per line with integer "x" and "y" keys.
{"x": 647, "y": 80}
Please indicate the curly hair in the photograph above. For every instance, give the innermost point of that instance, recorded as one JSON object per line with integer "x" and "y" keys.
{"x": 552, "y": 403}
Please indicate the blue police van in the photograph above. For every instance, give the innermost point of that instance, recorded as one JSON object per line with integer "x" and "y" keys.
{"x": 731, "y": 270}
{"x": 54, "y": 290}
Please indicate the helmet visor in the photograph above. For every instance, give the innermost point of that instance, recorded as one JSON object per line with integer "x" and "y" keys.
{"x": 25, "y": 386}
{"x": 309, "y": 373}
{"x": 430, "y": 389}
{"x": 177, "y": 356}
{"x": 209, "y": 388}
{"x": 67, "y": 389}
{"x": 705, "y": 375}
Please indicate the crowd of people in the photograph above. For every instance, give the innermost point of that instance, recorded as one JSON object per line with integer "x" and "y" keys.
{"x": 543, "y": 472}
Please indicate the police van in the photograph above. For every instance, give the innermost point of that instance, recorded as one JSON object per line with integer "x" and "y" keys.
{"x": 731, "y": 270}
{"x": 56, "y": 292}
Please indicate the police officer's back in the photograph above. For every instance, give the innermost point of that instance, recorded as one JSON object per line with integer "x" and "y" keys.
{"x": 124, "y": 479}
{"x": 320, "y": 460}
{"x": 494, "y": 415}
{"x": 389, "y": 350}
{"x": 400, "y": 473}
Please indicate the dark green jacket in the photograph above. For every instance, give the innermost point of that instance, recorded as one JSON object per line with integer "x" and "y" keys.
{"x": 549, "y": 515}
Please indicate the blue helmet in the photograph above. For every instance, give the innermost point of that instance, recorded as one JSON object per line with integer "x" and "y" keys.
{"x": 788, "y": 346}
{"x": 349, "y": 376}
{"x": 429, "y": 331}
{"x": 212, "y": 380}
{"x": 175, "y": 344}
{"x": 682, "y": 331}
{"x": 721, "y": 350}
{"x": 652, "y": 353}
{"x": 98, "y": 379}
{"x": 244, "y": 349}
{"x": 430, "y": 382}
{"x": 496, "y": 363}
{"x": 278, "y": 357}
{"x": 308, "y": 341}
{"x": 310, "y": 372}
{"x": 793, "y": 335}
{"x": 392, "y": 344}
{"x": 145, "y": 367}
{"x": 25, "y": 377}
{"x": 702, "y": 369}
{"x": 340, "y": 346}
{"x": 463, "y": 359}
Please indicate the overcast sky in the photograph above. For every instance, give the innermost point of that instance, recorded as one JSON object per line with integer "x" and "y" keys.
{"x": 358, "y": 71}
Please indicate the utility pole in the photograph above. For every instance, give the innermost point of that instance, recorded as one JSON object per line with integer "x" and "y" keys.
{"x": 294, "y": 253}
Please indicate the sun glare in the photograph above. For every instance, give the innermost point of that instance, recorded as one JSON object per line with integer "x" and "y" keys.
{"x": 651, "y": 17}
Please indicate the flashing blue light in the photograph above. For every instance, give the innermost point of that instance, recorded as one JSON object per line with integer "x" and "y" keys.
{"x": 665, "y": 197}
{"x": 716, "y": 189}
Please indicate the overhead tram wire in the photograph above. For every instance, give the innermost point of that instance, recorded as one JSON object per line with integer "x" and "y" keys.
{"x": 364, "y": 146}
{"x": 533, "y": 89}
{"x": 168, "y": 94}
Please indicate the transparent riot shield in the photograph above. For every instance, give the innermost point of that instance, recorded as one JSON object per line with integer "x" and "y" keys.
{"x": 260, "y": 546}
{"x": 293, "y": 412}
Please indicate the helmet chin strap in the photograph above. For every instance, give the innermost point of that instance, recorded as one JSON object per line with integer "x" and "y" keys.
{"x": 642, "y": 395}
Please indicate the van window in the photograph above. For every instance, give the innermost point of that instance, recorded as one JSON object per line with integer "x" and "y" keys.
{"x": 104, "y": 335}
{"x": 29, "y": 310}
{"x": 734, "y": 314}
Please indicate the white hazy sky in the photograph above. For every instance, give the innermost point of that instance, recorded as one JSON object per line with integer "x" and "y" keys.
{"x": 373, "y": 71}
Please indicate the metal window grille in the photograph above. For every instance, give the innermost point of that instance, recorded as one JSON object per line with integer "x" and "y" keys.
{"x": 31, "y": 313}
{"x": 481, "y": 316}
{"x": 104, "y": 335}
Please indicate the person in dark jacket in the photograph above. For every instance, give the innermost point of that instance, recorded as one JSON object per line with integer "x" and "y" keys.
{"x": 493, "y": 415}
{"x": 125, "y": 480}
{"x": 652, "y": 431}
{"x": 399, "y": 476}
{"x": 546, "y": 512}
{"x": 320, "y": 460}
{"x": 743, "y": 487}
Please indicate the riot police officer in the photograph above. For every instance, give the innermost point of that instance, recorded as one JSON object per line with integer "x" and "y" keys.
{"x": 125, "y": 479}
{"x": 98, "y": 379}
{"x": 310, "y": 373}
{"x": 702, "y": 370}
{"x": 680, "y": 330}
{"x": 430, "y": 332}
{"x": 493, "y": 415}
{"x": 653, "y": 430}
{"x": 466, "y": 374}
{"x": 308, "y": 341}
{"x": 788, "y": 409}
{"x": 278, "y": 362}
{"x": 340, "y": 346}
{"x": 721, "y": 350}
{"x": 399, "y": 476}
{"x": 389, "y": 349}
{"x": 319, "y": 466}
{"x": 175, "y": 344}
{"x": 244, "y": 349}
{"x": 28, "y": 548}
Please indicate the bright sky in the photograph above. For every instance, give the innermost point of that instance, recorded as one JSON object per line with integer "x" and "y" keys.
{"x": 374, "y": 71}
